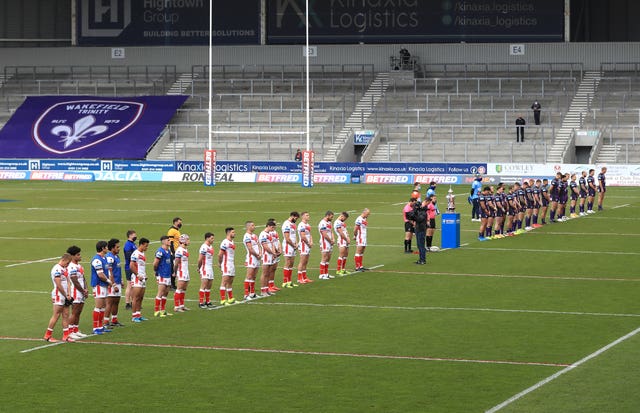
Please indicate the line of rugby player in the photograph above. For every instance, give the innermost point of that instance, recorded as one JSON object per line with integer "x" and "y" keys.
{"x": 70, "y": 288}
{"x": 504, "y": 211}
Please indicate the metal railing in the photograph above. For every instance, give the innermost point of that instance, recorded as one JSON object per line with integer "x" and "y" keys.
{"x": 476, "y": 134}
{"x": 549, "y": 69}
{"x": 96, "y": 72}
{"x": 284, "y": 71}
{"x": 443, "y": 152}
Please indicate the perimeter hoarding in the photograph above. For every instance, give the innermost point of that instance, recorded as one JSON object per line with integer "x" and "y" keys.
{"x": 87, "y": 126}
{"x": 167, "y": 22}
{"x": 415, "y": 21}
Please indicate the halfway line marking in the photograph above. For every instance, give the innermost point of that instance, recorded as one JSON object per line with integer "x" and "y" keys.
{"x": 31, "y": 262}
{"x": 561, "y": 372}
{"x": 491, "y": 310}
{"x": 323, "y": 353}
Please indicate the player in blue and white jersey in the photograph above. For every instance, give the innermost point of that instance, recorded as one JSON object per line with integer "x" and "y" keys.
{"x": 602, "y": 187}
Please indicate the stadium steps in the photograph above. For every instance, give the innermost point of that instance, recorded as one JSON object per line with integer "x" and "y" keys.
{"x": 608, "y": 154}
{"x": 184, "y": 82}
{"x": 363, "y": 110}
{"x": 575, "y": 115}
{"x": 383, "y": 152}
{"x": 4, "y": 79}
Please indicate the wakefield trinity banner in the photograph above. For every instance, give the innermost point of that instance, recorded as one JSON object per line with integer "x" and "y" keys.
{"x": 87, "y": 126}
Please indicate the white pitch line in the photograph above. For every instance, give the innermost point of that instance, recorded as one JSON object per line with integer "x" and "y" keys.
{"x": 32, "y": 262}
{"x": 43, "y": 347}
{"x": 561, "y": 372}
{"x": 554, "y": 251}
{"x": 534, "y": 277}
{"x": 620, "y": 206}
{"x": 470, "y": 309}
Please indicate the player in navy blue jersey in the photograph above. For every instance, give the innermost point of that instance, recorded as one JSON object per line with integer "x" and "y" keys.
{"x": 554, "y": 192}
{"x": 591, "y": 190}
{"x": 602, "y": 187}
{"x": 574, "y": 193}
{"x": 528, "y": 195}
{"x": 582, "y": 188}
{"x": 537, "y": 201}
{"x": 491, "y": 205}
{"x": 510, "y": 212}
{"x": 498, "y": 201}
{"x": 484, "y": 212}
{"x": 521, "y": 196}
{"x": 563, "y": 198}
{"x": 545, "y": 199}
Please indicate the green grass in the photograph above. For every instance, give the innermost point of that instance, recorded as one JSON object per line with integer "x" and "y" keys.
{"x": 539, "y": 301}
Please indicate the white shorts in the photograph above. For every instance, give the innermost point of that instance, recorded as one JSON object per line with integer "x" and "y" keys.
{"x": 231, "y": 272}
{"x": 288, "y": 251}
{"x": 267, "y": 259}
{"x": 99, "y": 292}
{"x": 252, "y": 262}
{"x": 137, "y": 282}
{"x": 163, "y": 280}
{"x": 342, "y": 243}
{"x": 206, "y": 275}
{"x": 114, "y": 292}
{"x": 183, "y": 277}
{"x": 56, "y": 297}
{"x": 78, "y": 298}
{"x": 326, "y": 248}
{"x": 304, "y": 249}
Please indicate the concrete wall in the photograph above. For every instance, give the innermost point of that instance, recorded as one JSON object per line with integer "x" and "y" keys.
{"x": 590, "y": 54}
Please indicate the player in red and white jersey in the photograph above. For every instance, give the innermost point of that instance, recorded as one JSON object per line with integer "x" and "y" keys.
{"x": 226, "y": 258}
{"x": 275, "y": 240}
{"x": 181, "y": 269}
{"x": 326, "y": 244}
{"x": 138, "y": 267}
{"x": 79, "y": 291}
{"x": 205, "y": 268}
{"x": 61, "y": 299}
{"x": 342, "y": 240}
{"x": 360, "y": 235}
{"x": 305, "y": 242}
{"x": 252, "y": 260}
{"x": 268, "y": 257}
{"x": 289, "y": 248}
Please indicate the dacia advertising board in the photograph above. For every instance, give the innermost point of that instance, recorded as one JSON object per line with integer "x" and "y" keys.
{"x": 167, "y": 22}
{"x": 415, "y": 21}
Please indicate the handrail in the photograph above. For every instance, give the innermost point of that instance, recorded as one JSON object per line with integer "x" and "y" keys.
{"x": 364, "y": 69}
{"x": 94, "y": 71}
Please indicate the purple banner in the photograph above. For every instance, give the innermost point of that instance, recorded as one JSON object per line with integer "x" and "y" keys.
{"x": 87, "y": 126}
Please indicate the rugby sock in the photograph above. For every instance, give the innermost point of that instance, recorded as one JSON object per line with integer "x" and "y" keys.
{"x": 65, "y": 333}
{"x": 358, "y": 259}
{"x": 407, "y": 245}
{"x": 287, "y": 272}
{"x": 519, "y": 222}
{"x": 487, "y": 232}
{"x": 247, "y": 286}
{"x": 163, "y": 303}
{"x": 300, "y": 276}
{"x": 101, "y": 317}
{"x": 114, "y": 318}
{"x": 429, "y": 243}
{"x": 252, "y": 287}
{"x": 552, "y": 215}
{"x": 590, "y": 206}
{"x": 176, "y": 298}
{"x": 230, "y": 293}
{"x": 272, "y": 284}
{"x": 527, "y": 221}
{"x": 480, "y": 235}
{"x": 535, "y": 219}
{"x": 582, "y": 208}
{"x": 156, "y": 306}
{"x": 223, "y": 291}
{"x": 264, "y": 290}
{"x": 48, "y": 333}
{"x": 96, "y": 319}
{"x": 207, "y": 296}
{"x": 201, "y": 296}
{"x": 324, "y": 268}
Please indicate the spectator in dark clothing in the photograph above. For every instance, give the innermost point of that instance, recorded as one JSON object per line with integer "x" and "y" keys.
{"x": 420, "y": 218}
{"x": 298, "y": 156}
{"x": 536, "y": 111}
{"x": 520, "y": 122}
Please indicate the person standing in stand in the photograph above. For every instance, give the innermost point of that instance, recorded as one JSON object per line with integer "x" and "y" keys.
{"x": 536, "y": 111}
{"x": 520, "y": 122}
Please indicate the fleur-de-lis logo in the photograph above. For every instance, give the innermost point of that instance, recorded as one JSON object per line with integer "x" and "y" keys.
{"x": 82, "y": 128}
